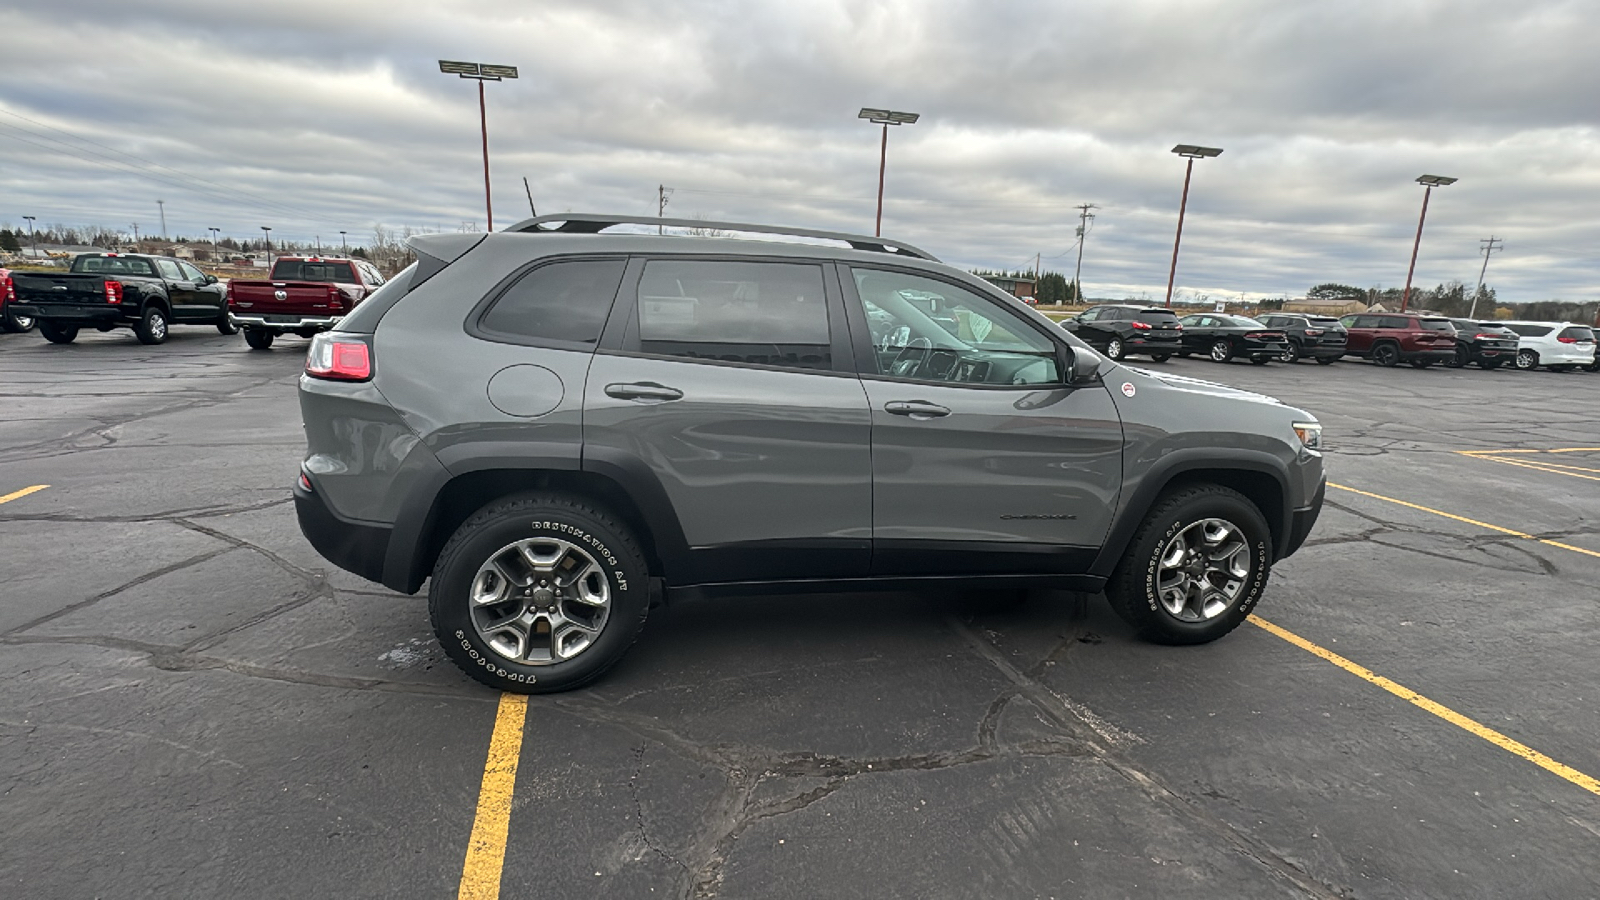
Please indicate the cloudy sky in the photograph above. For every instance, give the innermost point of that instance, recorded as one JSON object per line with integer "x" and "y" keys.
{"x": 317, "y": 117}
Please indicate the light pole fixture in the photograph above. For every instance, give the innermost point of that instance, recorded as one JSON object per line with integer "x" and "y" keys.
{"x": 33, "y": 241}
{"x": 215, "y": 253}
{"x": 1429, "y": 182}
{"x": 481, "y": 72}
{"x": 266, "y": 231}
{"x": 1191, "y": 153}
{"x": 885, "y": 117}
{"x": 343, "y": 247}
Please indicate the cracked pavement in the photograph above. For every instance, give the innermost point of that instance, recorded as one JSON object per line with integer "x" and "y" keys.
{"x": 195, "y": 703}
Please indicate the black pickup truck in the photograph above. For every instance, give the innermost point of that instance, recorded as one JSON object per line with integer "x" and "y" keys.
{"x": 111, "y": 290}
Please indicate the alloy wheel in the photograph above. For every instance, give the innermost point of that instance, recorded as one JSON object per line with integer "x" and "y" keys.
{"x": 1203, "y": 570}
{"x": 540, "y": 601}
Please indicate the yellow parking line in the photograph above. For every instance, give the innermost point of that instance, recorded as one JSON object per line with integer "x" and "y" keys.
{"x": 1586, "y": 782}
{"x": 486, "y": 851}
{"x": 18, "y": 495}
{"x": 1511, "y": 531}
{"x": 1547, "y": 468}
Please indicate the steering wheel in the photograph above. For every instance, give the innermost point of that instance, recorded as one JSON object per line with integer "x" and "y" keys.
{"x": 910, "y": 358}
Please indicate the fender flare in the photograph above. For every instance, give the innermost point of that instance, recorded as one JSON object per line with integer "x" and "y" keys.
{"x": 1174, "y": 466}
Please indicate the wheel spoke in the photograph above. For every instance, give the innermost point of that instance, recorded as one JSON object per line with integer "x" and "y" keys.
{"x": 1202, "y": 570}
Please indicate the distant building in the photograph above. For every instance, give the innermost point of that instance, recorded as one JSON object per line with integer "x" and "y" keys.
{"x": 56, "y": 251}
{"x": 1021, "y": 288}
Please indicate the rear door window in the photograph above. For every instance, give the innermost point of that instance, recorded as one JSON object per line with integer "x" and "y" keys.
{"x": 1576, "y": 333}
{"x": 758, "y": 313}
{"x": 1363, "y": 322}
{"x": 1531, "y": 330}
{"x": 565, "y": 303}
{"x": 1393, "y": 322}
{"x": 169, "y": 270}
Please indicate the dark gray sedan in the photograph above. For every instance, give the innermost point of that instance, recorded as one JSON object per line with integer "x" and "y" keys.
{"x": 1224, "y": 337}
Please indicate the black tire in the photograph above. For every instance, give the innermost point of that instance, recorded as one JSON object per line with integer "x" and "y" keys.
{"x": 258, "y": 338}
{"x": 1292, "y": 355}
{"x": 1115, "y": 349}
{"x": 225, "y": 325}
{"x": 1327, "y": 360}
{"x": 1386, "y": 355}
{"x": 152, "y": 327}
{"x": 1527, "y": 360}
{"x": 1133, "y": 588}
{"x": 1421, "y": 363}
{"x": 1222, "y": 351}
{"x": 58, "y": 334}
{"x": 1160, "y": 357}
{"x": 495, "y": 529}
{"x": 12, "y": 323}
{"x": 1462, "y": 357}
{"x": 1594, "y": 366}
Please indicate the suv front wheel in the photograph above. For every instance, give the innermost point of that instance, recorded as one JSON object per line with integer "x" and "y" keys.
{"x": 1195, "y": 568}
{"x": 539, "y": 593}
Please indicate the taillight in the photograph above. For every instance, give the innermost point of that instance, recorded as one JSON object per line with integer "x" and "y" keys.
{"x": 1142, "y": 326}
{"x": 1313, "y": 332}
{"x": 113, "y": 292}
{"x": 1178, "y": 326}
{"x": 6, "y": 288}
{"x": 1567, "y": 340}
{"x": 339, "y": 358}
{"x": 1264, "y": 336}
{"x": 1486, "y": 336}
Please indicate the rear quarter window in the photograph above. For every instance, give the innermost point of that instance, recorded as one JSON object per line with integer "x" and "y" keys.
{"x": 1577, "y": 333}
{"x": 1531, "y": 330}
{"x": 565, "y": 302}
{"x": 1437, "y": 325}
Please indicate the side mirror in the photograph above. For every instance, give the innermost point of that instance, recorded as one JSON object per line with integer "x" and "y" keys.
{"x": 211, "y": 279}
{"x": 1081, "y": 368}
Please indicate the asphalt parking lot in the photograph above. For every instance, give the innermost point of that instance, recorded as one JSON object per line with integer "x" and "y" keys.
{"x": 196, "y": 704}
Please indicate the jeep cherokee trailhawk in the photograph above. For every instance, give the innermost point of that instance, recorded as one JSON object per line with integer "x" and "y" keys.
{"x": 553, "y": 424}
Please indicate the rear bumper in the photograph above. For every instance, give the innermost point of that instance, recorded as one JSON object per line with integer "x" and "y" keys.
{"x": 353, "y": 546}
{"x": 93, "y": 315}
{"x": 1134, "y": 344}
{"x": 1324, "y": 350}
{"x": 276, "y": 322}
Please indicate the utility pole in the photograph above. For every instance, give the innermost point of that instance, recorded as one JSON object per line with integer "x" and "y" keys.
{"x": 33, "y": 240}
{"x": 163, "y": 205}
{"x": 216, "y": 256}
{"x": 136, "y": 248}
{"x": 1487, "y": 248}
{"x": 662, "y": 194}
{"x": 1084, "y": 217}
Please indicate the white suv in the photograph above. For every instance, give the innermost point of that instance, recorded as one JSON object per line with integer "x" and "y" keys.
{"x": 1558, "y": 346}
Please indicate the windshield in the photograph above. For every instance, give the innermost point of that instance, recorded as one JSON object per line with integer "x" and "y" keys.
{"x": 112, "y": 265}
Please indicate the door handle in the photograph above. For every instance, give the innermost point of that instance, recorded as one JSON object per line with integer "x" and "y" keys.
{"x": 916, "y": 409}
{"x": 643, "y": 390}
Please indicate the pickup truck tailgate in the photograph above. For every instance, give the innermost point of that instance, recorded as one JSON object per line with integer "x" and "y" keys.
{"x": 36, "y": 288}
{"x": 299, "y": 298}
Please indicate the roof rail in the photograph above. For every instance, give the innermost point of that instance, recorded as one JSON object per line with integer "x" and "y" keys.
{"x": 591, "y": 223}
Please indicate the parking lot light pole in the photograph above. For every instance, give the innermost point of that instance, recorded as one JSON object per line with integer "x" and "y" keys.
{"x": 1429, "y": 182}
{"x": 215, "y": 253}
{"x": 267, "y": 232}
{"x": 885, "y": 117}
{"x": 32, "y": 240}
{"x": 344, "y": 247}
{"x": 481, "y": 72}
{"x": 1191, "y": 153}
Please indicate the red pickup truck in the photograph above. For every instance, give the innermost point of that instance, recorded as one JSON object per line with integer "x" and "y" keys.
{"x": 304, "y": 295}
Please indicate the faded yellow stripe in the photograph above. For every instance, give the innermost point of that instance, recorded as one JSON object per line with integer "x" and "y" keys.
{"x": 1511, "y": 531}
{"x": 1586, "y": 782}
{"x": 486, "y": 851}
{"x": 1550, "y": 468}
{"x": 18, "y": 495}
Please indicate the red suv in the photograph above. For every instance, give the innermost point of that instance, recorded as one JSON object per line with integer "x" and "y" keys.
{"x": 1389, "y": 338}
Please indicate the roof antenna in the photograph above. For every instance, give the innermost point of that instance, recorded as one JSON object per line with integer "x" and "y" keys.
{"x": 525, "y": 187}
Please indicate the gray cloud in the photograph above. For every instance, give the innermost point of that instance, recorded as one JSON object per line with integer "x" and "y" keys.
{"x": 316, "y": 117}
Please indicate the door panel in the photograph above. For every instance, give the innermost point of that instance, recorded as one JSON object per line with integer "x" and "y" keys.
{"x": 1008, "y": 480}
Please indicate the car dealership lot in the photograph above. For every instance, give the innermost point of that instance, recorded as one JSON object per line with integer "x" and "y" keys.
{"x": 197, "y": 703}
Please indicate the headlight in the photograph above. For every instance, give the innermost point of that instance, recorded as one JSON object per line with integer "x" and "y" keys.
{"x": 1310, "y": 434}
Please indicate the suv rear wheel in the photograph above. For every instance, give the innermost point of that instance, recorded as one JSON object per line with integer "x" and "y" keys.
{"x": 1115, "y": 349}
{"x": 539, "y": 593}
{"x": 1386, "y": 355}
{"x": 1527, "y": 359}
{"x": 152, "y": 326}
{"x": 1195, "y": 568}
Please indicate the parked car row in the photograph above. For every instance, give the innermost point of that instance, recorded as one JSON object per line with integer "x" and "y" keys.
{"x": 149, "y": 294}
{"x": 1387, "y": 339}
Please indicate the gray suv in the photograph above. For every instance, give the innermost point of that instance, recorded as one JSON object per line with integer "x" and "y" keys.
{"x": 554, "y": 424}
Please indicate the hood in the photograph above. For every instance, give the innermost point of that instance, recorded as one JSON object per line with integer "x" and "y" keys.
{"x": 1200, "y": 386}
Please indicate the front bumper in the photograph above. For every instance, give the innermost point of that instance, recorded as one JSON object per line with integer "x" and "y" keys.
{"x": 1301, "y": 522}
{"x": 353, "y": 546}
{"x": 283, "y": 322}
